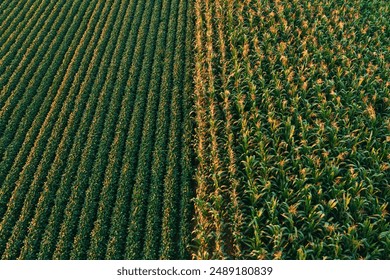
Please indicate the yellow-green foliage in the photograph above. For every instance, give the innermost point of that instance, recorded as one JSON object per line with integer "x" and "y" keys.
{"x": 292, "y": 129}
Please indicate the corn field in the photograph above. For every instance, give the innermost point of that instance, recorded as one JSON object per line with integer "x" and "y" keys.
{"x": 195, "y": 129}
{"x": 292, "y": 136}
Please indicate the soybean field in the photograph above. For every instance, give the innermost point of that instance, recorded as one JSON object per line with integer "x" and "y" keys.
{"x": 95, "y": 158}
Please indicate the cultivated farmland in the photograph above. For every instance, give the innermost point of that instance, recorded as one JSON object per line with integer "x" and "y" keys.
{"x": 293, "y": 129}
{"x": 203, "y": 129}
{"x": 94, "y": 129}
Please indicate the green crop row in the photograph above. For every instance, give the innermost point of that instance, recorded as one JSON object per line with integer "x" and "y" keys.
{"x": 101, "y": 231}
{"x": 13, "y": 188}
{"x": 75, "y": 67}
{"x": 94, "y": 103}
{"x": 89, "y": 210}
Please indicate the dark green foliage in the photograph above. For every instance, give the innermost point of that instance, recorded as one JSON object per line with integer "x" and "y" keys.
{"x": 82, "y": 101}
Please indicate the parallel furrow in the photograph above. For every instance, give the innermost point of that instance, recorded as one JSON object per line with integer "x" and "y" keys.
{"x": 78, "y": 125}
{"x": 23, "y": 61}
{"x": 13, "y": 190}
{"x": 62, "y": 145}
{"x": 92, "y": 124}
{"x": 172, "y": 195}
{"x": 136, "y": 228}
{"x": 20, "y": 19}
{"x": 90, "y": 207}
{"x": 153, "y": 219}
{"x": 29, "y": 95}
{"x": 53, "y": 129}
{"x": 9, "y": 12}
{"x": 95, "y": 129}
{"x": 120, "y": 215}
{"x": 101, "y": 230}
